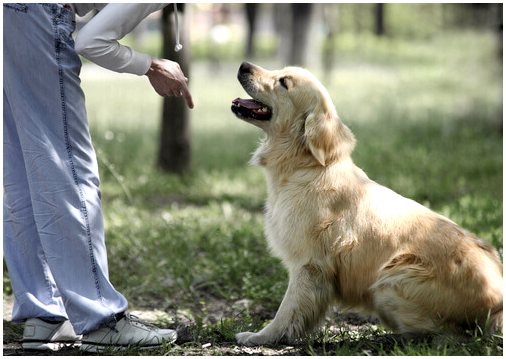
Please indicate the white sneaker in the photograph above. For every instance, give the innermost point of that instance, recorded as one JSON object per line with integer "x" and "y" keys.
{"x": 41, "y": 335}
{"x": 128, "y": 331}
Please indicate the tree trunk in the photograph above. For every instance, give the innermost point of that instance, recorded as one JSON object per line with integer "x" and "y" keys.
{"x": 330, "y": 21}
{"x": 379, "y": 19}
{"x": 174, "y": 154}
{"x": 301, "y": 19}
{"x": 283, "y": 26}
{"x": 498, "y": 29}
{"x": 251, "y": 16}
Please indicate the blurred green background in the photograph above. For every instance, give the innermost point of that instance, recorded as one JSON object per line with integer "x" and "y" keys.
{"x": 424, "y": 101}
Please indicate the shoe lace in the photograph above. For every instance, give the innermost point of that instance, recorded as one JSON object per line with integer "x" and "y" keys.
{"x": 135, "y": 319}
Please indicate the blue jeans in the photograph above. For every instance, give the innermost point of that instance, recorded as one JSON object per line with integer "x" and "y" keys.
{"x": 53, "y": 225}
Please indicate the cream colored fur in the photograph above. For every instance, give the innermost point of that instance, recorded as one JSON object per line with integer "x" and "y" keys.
{"x": 344, "y": 238}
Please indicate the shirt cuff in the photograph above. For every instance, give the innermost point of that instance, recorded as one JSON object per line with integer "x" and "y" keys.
{"x": 140, "y": 64}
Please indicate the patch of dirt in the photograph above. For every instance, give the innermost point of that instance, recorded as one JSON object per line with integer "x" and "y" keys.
{"x": 185, "y": 345}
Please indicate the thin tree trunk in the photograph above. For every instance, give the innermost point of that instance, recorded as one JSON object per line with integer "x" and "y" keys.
{"x": 251, "y": 16}
{"x": 175, "y": 147}
{"x": 283, "y": 26}
{"x": 330, "y": 21}
{"x": 379, "y": 19}
{"x": 499, "y": 30}
{"x": 301, "y": 20}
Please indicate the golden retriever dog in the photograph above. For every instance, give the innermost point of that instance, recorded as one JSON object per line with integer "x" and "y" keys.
{"x": 344, "y": 238}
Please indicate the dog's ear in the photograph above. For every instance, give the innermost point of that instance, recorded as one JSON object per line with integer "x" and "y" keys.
{"x": 318, "y": 133}
{"x": 327, "y": 137}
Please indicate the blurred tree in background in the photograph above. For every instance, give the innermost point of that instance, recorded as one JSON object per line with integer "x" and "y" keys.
{"x": 251, "y": 16}
{"x": 379, "y": 15}
{"x": 175, "y": 148}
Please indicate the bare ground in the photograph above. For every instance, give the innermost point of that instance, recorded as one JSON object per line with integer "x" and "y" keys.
{"x": 186, "y": 345}
{"x": 342, "y": 334}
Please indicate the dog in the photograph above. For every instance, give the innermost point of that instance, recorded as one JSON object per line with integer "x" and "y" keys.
{"x": 344, "y": 238}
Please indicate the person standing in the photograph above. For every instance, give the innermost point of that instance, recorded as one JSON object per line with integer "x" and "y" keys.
{"x": 54, "y": 244}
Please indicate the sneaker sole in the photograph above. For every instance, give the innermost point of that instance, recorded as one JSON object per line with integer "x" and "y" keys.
{"x": 53, "y": 346}
{"x": 99, "y": 348}
{"x": 94, "y": 348}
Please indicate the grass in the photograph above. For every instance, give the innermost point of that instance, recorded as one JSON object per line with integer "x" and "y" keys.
{"x": 427, "y": 115}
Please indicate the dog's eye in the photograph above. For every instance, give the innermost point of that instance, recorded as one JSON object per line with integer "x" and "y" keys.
{"x": 283, "y": 82}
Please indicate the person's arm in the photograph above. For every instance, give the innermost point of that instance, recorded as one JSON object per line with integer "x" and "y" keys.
{"x": 98, "y": 42}
{"x": 98, "y": 39}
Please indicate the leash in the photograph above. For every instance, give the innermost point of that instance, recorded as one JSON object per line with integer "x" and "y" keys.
{"x": 178, "y": 46}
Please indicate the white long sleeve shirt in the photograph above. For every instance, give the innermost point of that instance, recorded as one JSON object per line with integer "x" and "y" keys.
{"x": 98, "y": 39}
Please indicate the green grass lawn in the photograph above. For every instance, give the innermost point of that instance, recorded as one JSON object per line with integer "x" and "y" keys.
{"x": 427, "y": 115}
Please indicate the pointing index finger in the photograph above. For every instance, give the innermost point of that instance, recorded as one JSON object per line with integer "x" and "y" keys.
{"x": 186, "y": 94}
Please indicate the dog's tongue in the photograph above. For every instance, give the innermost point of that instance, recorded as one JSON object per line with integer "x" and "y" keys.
{"x": 249, "y": 104}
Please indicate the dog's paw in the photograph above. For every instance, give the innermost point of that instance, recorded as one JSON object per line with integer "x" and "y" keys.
{"x": 250, "y": 339}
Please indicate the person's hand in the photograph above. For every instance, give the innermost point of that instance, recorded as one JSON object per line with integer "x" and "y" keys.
{"x": 167, "y": 79}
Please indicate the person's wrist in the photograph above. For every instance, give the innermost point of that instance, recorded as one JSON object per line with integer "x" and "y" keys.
{"x": 153, "y": 67}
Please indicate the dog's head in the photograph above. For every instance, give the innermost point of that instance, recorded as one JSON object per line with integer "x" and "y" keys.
{"x": 295, "y": 111}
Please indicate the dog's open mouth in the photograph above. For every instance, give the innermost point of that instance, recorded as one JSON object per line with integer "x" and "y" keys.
{"x": 251, "y": 109}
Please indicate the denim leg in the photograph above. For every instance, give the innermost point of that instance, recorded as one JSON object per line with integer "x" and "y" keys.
{"x": 35, "y": 292}
{"x": 42, "y": 87}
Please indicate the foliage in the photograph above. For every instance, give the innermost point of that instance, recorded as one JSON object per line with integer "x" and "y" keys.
{"x": 427, "y": 116}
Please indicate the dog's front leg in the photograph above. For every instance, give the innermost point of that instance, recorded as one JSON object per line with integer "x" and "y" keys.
{"x": 304, "y": 304}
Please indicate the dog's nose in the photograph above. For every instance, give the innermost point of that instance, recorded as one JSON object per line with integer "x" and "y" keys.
{"x": 246, "y": 67}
